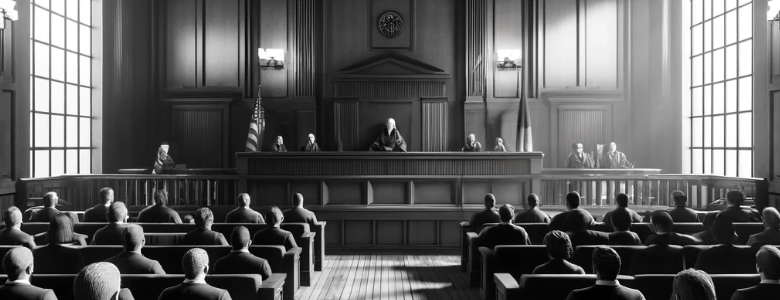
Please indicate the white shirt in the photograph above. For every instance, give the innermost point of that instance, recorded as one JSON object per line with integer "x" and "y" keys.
{"x": 195, "y": 281}
{"x": 241, "y": 250}
{"x": 18, "y": 282}
{"x": 770, "y": 281}
{"x": 607, "y": 282}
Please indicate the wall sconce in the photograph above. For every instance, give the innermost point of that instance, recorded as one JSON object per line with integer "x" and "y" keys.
{"x": 8, "y": 11}
{"x": 508, "y": 59}
{"x": 773, "y": 10}
{"x": 271, "y": 58}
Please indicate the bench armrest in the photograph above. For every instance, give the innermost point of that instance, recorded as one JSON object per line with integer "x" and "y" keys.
{"x": 487, "y": 270}
{"x": 465, "y": 228}
{"x": 271, "y": 289}
{"x": 319, "y": 244}
{"x": 465, "y": 224}
{"x": 292, "y": 266}
{"x": 475, "y": 259}
{"x": 506, "y": 287}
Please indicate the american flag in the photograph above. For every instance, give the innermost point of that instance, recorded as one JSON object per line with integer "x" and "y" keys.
{"x": 256, "y": 126}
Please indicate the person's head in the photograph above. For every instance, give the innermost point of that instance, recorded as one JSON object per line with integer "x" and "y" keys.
{"x": 297, "y": 200}
{"x": 117, "y": 212}
{"x": 133, "y": 238}
{"x": 662, "y": 221}
{"x": 572, "y": 200}
{"x": 532, "y": 200}
{"x": 735, "y": 197}
{"x": 161, "y": 153}
{"x": 239, "y": 238}
{"x": 490, "y": 201}
{"x": 18, "y": 263}
{"x": 771, "y": 218}
{"x": 204, "y": 218}
{"x": 188, "y": 219}
{"x": 576, "y": 220}
{"x": 723, "y": 231}
{"x": 161, "y": 197}
{"x": 576, "y": 148}
{"x": 693, "y": 284}
{"x": 97, "y": 281}
{"x": 195, "y": 263}
{"x": 679, "y": 197}
{"x": 471, "y": 139}
{"x": 499, "y": 141}
{"x": 312, "y": 138}
{"x": 106, "y": 195}
{"x": 558, "y": 245}
{"x": 279, "y": 140}
{"x": 621, "y": 200}
{"x": 243, "y": 200}
{"x": 506, "y": 213}
{"x": 60, "y": 229}
{"x": 621, "y": 220}
{"x": 767, "y": 262}
{"x": 274, "y": 216}
{"x": 12, "y": 217}
{"x": 612, "y": 147}
{"x": 606, "y": 263}
{"x": 50, "y": 199}
{"x": 390, "y": 124}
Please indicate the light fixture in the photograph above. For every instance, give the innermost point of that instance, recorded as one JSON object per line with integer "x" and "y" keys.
{"x": 508, "y": 59}
{"x": 271, "y": 58}
{"x": 773, "y": 10}
{"x": 8, "y": 11}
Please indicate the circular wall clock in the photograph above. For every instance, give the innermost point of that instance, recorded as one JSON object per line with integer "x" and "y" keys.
{"x": 391, "y": 24}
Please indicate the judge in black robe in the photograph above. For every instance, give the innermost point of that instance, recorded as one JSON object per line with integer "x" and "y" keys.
{"x": 613, "y": 159}
{"x": 279, "y": 145}
{"x": 389, "y": 140}
{"x": 579, "y": 159}
{"x": 472, "y": 145}
{"x": 311, "y": 146}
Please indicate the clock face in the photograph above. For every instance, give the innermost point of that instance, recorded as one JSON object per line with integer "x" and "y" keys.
{"x": 391, "y": 24}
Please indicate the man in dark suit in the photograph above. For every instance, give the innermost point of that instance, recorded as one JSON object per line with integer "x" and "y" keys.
{"x": 770, "y": 235}
{"x": 111, "y": 234}
{"x": 622, "y": 203}
{"x": 243, "y": 213}
{"x": 735, "y": 213}
{"x": 663, "y": 235}
{"x": 621, "y": 223}
{"x": 680, "y": 213}
{"x": 488, "y": 215}
{"x": 505, "y": 233}
{"x": 12, "y": 235}
{"x": 159, "y": 212}
{"x": 18, "y": 265}
{"x": 533, "y": 214}
{"x": 572, "y": 203}
{"x": 240, "y": 261}
{"x": 100, "y": 281}
{"x": 274, "y": 235}
{"x": 559, "y": 249}
{"x": 131, "y": 261}
{"x": 577, "y": 222}
{"x": 298, "y": 214}
{"x": 98, "y": 212}
{"x": 706, "y": 236}
{"x": 48, "y": 211}
{"x": 203, "y": 235}
{"x": 578, "y": 159}
{"x": 606, "y": 265}
{"x": 196, "y": 265}
{"x": 711, "y": 260}
{"x": 768, "y": 264}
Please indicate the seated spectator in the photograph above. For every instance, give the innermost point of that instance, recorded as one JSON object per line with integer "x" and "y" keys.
{"x": 159, "y": 212}
{"x": 274, "y": 235}
{"x": 711, "y": 260}
{"x": 58, "y": 256}
{"x": 706, "y": 236}
{"x": 505, "y": 233}
{"x": 577, "y": 222}
{"x": 240, "y": 261}
{"x": 100, "y": 281}
{"x": 572, "y": 203}
{"x": 196, "y": 265}
{"x": 111, "y": 234}
{"x": 98, "y": 212}
{"x": 606, "y": 265}
{"x": 77, "y": 239}
{"x": 48, "y": 211}
{"x": 770, "y": 235}
{"x": 768, "y": 264}
{"x": 18, "y": 265}
{"x": 298, "y": 214}
{"x": 663, "y": 235}
{"x": 533, "y": 214}
{"x": 202, "y": 234}
{"x": 735, "y": 213}
{"x": 622, "y": 203}
{"x": 12, "y": 234}
{"x": 132, "y": 261}
{"x": 559, "y": 249}
{"x": 694, "y": 285}
{"x": 488, "y": 215}
{"x": 243, "y": 213}
{"x": 657, "y": 259}
{"x": 680, "y": 213}
{"x": 621, "y": 223}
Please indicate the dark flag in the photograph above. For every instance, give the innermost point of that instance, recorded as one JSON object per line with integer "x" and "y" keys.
{"x": 256, "y": 126}
{"x": 524, "y": 136}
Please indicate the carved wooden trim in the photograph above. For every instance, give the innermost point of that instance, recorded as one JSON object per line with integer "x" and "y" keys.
{"x": 389, "y": 89}
{"x": 345, "y": 124}
{"x": 304, "y": 69}
{"x": 434, "y": 125}
{"x": 477, "y": 56}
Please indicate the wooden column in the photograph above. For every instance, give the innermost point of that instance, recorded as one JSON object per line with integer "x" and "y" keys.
{"x": 434, "y": 125}
{"x": 345, "y": 118}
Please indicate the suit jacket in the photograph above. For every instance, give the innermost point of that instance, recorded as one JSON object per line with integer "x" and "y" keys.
{"x": 615, "y": 160}
{"x": 300, "y": 215}
{"x": 575, "y": 162}
{"x": 767, "y": 237}
{"x": 278, "y": 148}
{"x": 711, "y": 260}
{"x": 481, "y": 218}
{"x": 739, "y": 214}
{"x": 310, "y": 147}
{"x": 588, "y": 237}
{"x": 109, "y": 235}
{"x": 194, "y": 291}
{"x": 657, "y": 259}
{"x": 129, "y": 262}
{"x": 158, "y": 214}
{"x": 558, "y": 266}
{"x": 203, "y": 236}
{"x": 57, "y": 259}
{"x": 25, "y": 292}
{"x": 389, "y": 142}
{"x": 618, "y": 292}
{"x": 274, "y": 236}
{"x": 244, "y": 215}
{"x": 242, "y": 263}
{"x": 15, "y": 237}
{"x": 477, "y": 147}
{"x": 44, "y": 215}
{"x": 557, "y": 222}
{"x": 532, "y": 215}
{"x": 761, "y": 291}
{"x": 96, "y": 214}
{"x": 682, "y": 214}
{"x": 635, "y": 217}
{"x": 624, "y": 238}
{"x": 503, "y": 234}
{"x": 672, "y": 238}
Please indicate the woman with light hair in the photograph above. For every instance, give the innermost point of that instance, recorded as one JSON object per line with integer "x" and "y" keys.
{"x": 693, "y": 284}
{"x": 499, "y": 145}
{"x": 771, "y": 233}
{"x": 471, "y": 144}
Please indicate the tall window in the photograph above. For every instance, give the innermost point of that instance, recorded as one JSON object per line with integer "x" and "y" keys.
{"x": 719, "y": 107}
{"x": 61, "y": 85}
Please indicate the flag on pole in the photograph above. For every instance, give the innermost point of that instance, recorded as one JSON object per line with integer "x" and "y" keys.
{"x": 524, "y": 136}
{"x": 256, "y": 126}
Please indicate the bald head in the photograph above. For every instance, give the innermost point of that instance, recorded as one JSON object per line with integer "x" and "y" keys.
{"x": 239, "y": 239}
{"x": 771, "y": 218}
{"x": 243, "y": 200}
{"x": 195, "y": 263}
{"x": 297, "y": 200}
{"x": 97, "y": 281}
{"x": 50, "y": 199}
{"x": 12, "y": 217}
{"x": 18, "y": 263}
{"x": 117, "y": 212}
{"x": 133, "y": 238}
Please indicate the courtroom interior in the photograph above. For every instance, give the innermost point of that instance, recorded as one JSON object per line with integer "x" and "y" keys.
{"x": 390, "y": 149}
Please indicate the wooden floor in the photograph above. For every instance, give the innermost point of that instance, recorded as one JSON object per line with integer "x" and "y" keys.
{"x": 393, "y": 276}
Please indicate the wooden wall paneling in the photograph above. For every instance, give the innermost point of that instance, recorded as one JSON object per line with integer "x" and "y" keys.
{"x": 368, "y": 193}
{"x": 7, "y": 126}
{"x": 199, "y": 132}
{"x": 559, "y": 45}
{"x": 389, "y": 192}
{"x": 422, "y": 233}
{"x": 306, "y": 122}
{"x": 434, "y": 124}
{"x": 475, "y": 120}
{"x": 510, "y": 192}
{"x": 334, "y": 233}
{"x": 309, "y": 190}
{"x": 390, "y": 233}
{"x": 474, "y": 191}
{"x": 274, "y": 18}
{"x": 7, "y": 63}
{"x": 346, "y": 118}
{"x": 304, "y": 67}
{"x": 358, "y": 233}
{"x": 224, "y": 34}
{"x": 266, "y": 194}
{"x": 434, "y": 192}
{"x": 449, "y": 233}
{"x": 181, "y": 48}
{"x": 507, "y": 35}
{"x": 601, "y": 43}
{"x": 589, "y": 124}
{"x": 342, "y": 192}
{"x": 375, "y": 112}
{"x": 477, "y": 56}
{"x": 774, "y": 48}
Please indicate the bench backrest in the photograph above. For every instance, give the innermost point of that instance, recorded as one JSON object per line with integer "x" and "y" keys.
{"x": 554, "y": 287}
{"x": 583, "y": 257}
{"x": 518, "y": 260}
